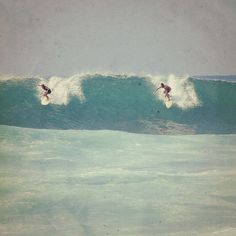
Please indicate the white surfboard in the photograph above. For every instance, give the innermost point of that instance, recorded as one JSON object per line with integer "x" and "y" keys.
{"x": 168, "y": 103}
{"x": 45, "y": 101}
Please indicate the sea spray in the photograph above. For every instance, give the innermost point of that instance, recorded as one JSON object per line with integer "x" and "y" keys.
{"x": 182, "y": 90}
{"x": 65, "y": 88}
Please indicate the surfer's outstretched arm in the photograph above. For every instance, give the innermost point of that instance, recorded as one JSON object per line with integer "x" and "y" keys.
{"x": 157, "y": 89}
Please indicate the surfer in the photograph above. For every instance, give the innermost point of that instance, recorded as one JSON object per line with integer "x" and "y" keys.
{"x": 167, "y": 90}
{"x": 46, "y": 89}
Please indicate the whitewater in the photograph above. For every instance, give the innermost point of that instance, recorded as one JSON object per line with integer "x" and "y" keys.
{"x": 106, "y": 157}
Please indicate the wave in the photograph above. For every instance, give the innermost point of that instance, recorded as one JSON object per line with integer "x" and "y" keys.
{"x": 120, "y": 102}
{"x": 226, "y": 78}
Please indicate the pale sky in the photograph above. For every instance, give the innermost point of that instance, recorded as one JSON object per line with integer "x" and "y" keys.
{"x": 65, "y": 37}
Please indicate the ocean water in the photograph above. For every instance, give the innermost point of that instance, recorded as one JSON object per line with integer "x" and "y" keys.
{"x": 106, "y": 157}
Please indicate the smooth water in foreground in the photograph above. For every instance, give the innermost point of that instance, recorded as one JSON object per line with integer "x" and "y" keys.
{"x": 57, "y": 182}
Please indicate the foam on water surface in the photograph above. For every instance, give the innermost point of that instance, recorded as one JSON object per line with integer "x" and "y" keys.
{"x": 117, "y": 183}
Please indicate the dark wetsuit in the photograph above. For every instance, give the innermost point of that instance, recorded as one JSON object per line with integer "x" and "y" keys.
{"x": 166, "y": 91}
{"x": 48, "y": 90}
{"x": 167, "y": 88}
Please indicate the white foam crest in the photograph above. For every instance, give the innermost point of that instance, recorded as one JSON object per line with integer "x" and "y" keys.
{"x": 64, "y": 88}
{"x": 4, "y": 78}
{"x": 182, "y": 90}
{"x": 9, "y": 77}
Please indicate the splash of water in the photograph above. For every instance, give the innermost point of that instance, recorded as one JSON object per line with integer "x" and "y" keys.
{"x": 182, "y": 90}
{"x": 64, "y": 88}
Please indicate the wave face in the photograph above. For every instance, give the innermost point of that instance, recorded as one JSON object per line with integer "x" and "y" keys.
{"x": 121, "y": 102}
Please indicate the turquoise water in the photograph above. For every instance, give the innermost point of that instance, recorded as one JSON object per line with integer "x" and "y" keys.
{"x": 107, "y": 158}
{"x": 125, "y": 103}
